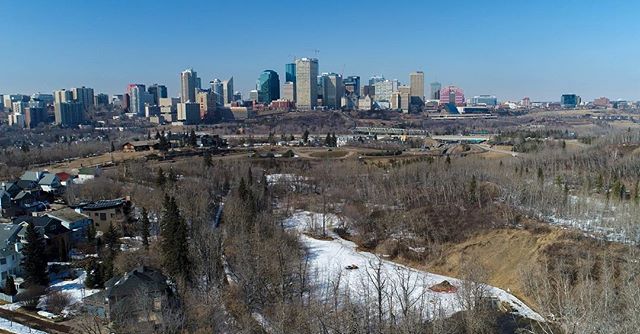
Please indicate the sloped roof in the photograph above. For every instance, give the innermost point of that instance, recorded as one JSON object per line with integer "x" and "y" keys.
{"x": 67, "y": 215}
{"x": 140, "y": 280}
{"x": 103, "y": 204}
{"x": 7, "y": 232}
{"x": 48, "y": 179}
{"x": 31, "y": 176}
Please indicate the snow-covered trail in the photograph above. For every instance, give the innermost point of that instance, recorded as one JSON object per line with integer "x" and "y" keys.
{"x": 404, "y": 287}
{"x": 14, "y": 327}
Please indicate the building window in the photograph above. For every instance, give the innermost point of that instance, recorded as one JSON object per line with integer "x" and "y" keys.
{"x": 103, "y": 216}
{"x": 3, "y": 261}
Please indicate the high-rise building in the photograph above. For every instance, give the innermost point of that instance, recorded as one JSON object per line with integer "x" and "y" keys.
{"x": 227, "y": 90}
{"x": 69, "y": 113}
{"x": 268, "y": 87}
{"x": 83, "y": 95}
{"x": 332, "y": 90}
{"x": 189, "y": 112}
{"x": 375, "y": 79}
{"x": 207, "y": 101}
{"x": 368, "y": 90}
{"x": 306, "y": 83}
{"x": 435, "y": 90}
{"x": 488, "y": 100}
{"x": 189, "y": 84}
{"x": 599, "y": 102}
{"x": 417, "y": 88}
{"x": 62, "y": 95}
{"x": 157, "y": 92}
{"x": 137, "y": 97}
{"x": 569, "y": 101}
{"x": 352, "y": 85}
{"x": 46, "y": 99}
{"x": 218, "y": 89}
{"x": 254, "y": 95}
{"x": 17, "y": 120}
{"x": 384, "y": 89}
{"x": 34, "y": 116}
{"x": 289, "y": 91}
{"x": 18, "y": 107}
{"x": 101, "y": 100}
{"x": 290, "y": 72}
{"x": 452, "y": 94}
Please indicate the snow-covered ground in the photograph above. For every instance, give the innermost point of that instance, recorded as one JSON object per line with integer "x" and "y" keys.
{"x": 404, "y": 288}
{"x": 75, "y": 289}
{"x": 14, "y": 327}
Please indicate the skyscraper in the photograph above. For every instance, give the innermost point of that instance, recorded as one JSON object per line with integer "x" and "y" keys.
{"x": 207, "y": 101}
{"x": 352, "y": 85}
{"x": 268, "y": 86}
{"x": 189, "y": 112}
{"x": 59, "y": 96}
{"x": 374, "y": 79}
{"x": 306, "y": 83}
{"x": 83, "y": 96}
{"x": 101, "y": 100}
{"x": 435, "y": 91}
{"x": 417, "y": 88}
{"x": 452, "y": 94}
{"x": 384, "y": 89}
{"x": 227, "y": 90}
{"x": 158, "y": 92}
{"x": 189, "y": 83}
{"x": 289, "y": 91}
{"x": 218, "y": 89}
{"x": 569, "y": 101}
{"x": 137, "y": 94}
{"x": 332, "y": 90}
{"x": 69, "y": 113}
{"x": 290, "y": 72}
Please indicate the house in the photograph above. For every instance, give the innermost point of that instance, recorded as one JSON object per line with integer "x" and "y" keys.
{"x": 11, "y": 188}
{"x": 5, "y": 202}
{"x": 50, "y": 183}
{"x": 76, "y": 222}
{"x": 65, "y": 178}
{"x": 139, "y": 296}
{"x": 137, "y": 146}
{"x": 32, "y": 176}
{"x": 107, "y": 212}
{"x": 87, "y": 173}
{"x": 56, "y": 236}
{"x": 10, "y": 251}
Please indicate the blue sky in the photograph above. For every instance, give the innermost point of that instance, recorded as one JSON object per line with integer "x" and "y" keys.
{"x": 512, "y": 49}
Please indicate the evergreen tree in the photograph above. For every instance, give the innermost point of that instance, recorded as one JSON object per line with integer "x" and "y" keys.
{"x": 207, "y": 159}
{"x": 540, "y": 175}
{"x": 327, "y": 140}
{"x": 193, "y": 139}
{"x": 157, "y": 135}
{"x": 473, "y": 186}
{"x": 10, "y": 286}
{"x": 63, "y": 253}
{"x": 173, "y": 177}
{"x": 249, "y": 177}
{"x": 34, "y": 262}
{"x": 305, "y": 136}
{"x": 174, "y": 246}
{"x": 144, "y": 226}
{"x": 95, "y": 279}
{"x": 160, "y": 179}
{"x": 242, "y": 189}
{"x": 448, "y": 160}
{"x": 91, "y": 233}
{"x": 113, "y": 147}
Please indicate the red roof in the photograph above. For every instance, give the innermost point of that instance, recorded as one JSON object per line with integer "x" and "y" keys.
{"x": 64, "y": 176}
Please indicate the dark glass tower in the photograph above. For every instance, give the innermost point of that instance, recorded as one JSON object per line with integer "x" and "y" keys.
{"x": 268, "y": 86}
{"x": 290, "y": 73}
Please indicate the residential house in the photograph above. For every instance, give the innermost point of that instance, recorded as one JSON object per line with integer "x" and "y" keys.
{"x": 32, "y": 176}
{"x": 10, "y": 251}
{"x": 87, "y": 173}
{"x": 139, "y": 296}
{"x": 56, "y": 236}
{"x": 65, "y": 178}
{"x": 137, "y": 146}
{"x": 76, "y": 222}
{"x": 5, "y": 202}
{"x": 51, "y": 184}
{"x": 11, "y": 188}
{"x": 108, "y": 212}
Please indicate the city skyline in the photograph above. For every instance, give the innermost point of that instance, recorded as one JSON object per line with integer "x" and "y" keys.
{"x": 503, "y": 49}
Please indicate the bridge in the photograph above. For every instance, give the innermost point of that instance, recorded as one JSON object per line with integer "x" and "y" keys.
{"x": 468, "y": 139}
{"x": 390, "y": 131}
